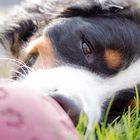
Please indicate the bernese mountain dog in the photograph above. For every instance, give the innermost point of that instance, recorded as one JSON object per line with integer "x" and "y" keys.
{"x": 80, "y": 52}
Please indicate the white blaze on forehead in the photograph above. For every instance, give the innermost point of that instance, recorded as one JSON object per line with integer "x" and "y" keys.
{"x": 83, "y": 86}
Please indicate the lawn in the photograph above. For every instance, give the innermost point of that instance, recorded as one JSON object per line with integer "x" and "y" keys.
{"x": 124, "y": 128}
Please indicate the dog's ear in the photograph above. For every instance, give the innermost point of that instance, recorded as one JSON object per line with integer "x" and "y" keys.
{"x": 92, "y": 9}
{"x": 83, "y": 8}
{"x": 81, "y": 11}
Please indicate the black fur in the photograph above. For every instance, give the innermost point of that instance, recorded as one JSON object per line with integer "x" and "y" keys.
{"x": 102, "y": 33}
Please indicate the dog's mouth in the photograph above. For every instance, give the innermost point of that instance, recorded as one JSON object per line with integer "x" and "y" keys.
{"x": 70, "y": 107}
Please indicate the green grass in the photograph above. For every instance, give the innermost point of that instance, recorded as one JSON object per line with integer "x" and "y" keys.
{"x": 126, "y": 128}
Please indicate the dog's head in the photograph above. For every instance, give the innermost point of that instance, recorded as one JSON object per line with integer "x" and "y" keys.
{"x": 86, "y": 56}
{"x": 102, "y": 41}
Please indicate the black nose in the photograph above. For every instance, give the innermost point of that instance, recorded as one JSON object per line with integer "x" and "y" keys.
{"x": 70, "y": 106}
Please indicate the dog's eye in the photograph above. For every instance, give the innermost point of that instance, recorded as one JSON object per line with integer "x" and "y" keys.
{"x": 88, "y": 50}
{"x": 86, "y": 47}
{"x": 31, "y": 59}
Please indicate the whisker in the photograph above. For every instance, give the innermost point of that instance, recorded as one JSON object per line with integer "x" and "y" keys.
{"x": 14, "y": 68}
{"x": 16, "y": 77}
{"x": 18, "y": 74}
{"x": 24, "y": 69}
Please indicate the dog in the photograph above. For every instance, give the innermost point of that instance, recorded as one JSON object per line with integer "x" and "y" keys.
{"x": 81, "y": 53}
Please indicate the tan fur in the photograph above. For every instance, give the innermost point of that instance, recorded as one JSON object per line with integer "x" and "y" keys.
{"x": 43, "y": 47}
{"x": 113, "y": 58}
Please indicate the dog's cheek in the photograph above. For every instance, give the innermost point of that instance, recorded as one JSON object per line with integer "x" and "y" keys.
{"x": 46, "y": 56}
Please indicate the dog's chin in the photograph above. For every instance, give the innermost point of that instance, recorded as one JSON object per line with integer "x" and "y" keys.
{"x": 71, "y": 88}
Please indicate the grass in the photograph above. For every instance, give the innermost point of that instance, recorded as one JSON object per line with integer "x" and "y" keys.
{"x": 126, "y": 128}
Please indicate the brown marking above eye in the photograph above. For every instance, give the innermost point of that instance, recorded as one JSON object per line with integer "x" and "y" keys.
{"x": 113, "y": 58}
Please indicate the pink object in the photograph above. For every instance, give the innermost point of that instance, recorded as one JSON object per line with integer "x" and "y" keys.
{"x": 26, "y": 114}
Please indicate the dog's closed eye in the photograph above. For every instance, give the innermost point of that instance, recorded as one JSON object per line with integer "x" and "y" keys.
{"x": 31, "y": 59}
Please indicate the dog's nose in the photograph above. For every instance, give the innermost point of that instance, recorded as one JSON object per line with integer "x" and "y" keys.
{"x": 70, "y": 107}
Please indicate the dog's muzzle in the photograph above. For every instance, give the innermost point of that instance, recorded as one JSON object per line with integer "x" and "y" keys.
{"x": 70, "y": 107}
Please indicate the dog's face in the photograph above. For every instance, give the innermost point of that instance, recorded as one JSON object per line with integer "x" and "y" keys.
{"x": 96, "y": 43}
{"x": 84, "y": 57}
{"x": 102, "y": 44}
{"x": 87, "y": 60}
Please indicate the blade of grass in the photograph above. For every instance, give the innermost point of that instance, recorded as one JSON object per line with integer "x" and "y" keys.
{"x": 137, "y": 100}
{"x": 107, "y": 112}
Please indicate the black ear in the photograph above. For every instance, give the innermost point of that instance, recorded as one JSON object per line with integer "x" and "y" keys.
{"x": 92, "y": 9}
{"x": 82, "y": 11}
{"x": 82, "y": 8}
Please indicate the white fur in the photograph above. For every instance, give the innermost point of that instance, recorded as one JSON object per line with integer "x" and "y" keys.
{"x": 73, "y": 83}
{"x": 84, "y": 86}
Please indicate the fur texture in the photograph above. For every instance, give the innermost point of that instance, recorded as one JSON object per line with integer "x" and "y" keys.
{"x": 91, "y": 49}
